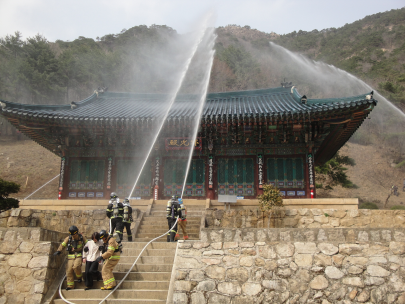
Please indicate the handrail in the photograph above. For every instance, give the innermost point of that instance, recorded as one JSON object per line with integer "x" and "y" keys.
{"x": 41, "y": 187}
{"x": 123, "y": 279}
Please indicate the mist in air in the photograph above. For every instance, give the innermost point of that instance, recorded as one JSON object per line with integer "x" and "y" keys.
{"x": 191, "y": 70}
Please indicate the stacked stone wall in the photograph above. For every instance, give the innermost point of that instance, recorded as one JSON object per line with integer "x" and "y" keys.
{"x": 88, "y": 221}
{"x": 306, "y": 218}
{"x": 27, "y": 267}
{"x": 317, "y": 271}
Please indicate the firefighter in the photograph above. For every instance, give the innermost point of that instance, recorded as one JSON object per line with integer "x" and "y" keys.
{"x": 182, "y": 221}
{"x": 112, "y": 255}
{"x": 127, "y": 219}
{"x": 74, "y": 245}
{"x": 173, "y": 210}
{"x": 115, "y": 212}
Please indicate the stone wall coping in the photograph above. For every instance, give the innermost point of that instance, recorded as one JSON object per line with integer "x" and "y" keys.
{"x": 348, "y": 235}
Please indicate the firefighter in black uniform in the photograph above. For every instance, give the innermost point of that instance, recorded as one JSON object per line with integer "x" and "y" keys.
{"x": 127, "y": 219}
{"x": 173, "y": 211}
{"x": 115, "y": 212}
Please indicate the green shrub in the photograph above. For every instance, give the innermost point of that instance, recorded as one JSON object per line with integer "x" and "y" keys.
{"x": 368, "y": 205}
{"x": 397, "y": 207}
{"x": 7, "y": 188}
{"x": 8, "y": 203}
{"x": 270, "y": 198}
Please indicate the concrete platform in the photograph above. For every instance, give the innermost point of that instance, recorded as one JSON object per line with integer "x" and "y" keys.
{"x": 76, "y": 204}
{"x": 309, "y": 203}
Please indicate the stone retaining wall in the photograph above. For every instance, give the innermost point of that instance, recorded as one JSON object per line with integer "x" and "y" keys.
{"x": 306, "y": 218}
{"x": 350, "y": 235}
{"x": 291, "y": 272}
{"x": 27, "y": 267}
{"x": 87, "y": 221}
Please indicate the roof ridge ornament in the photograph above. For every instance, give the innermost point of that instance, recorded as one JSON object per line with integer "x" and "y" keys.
{"x": 73, "y": 105}
{"x": 3, "y": 105}
{"x": 370, "y": 96}
{"x": 292, "y": 89}
{"x": 304, "y": 99}
{"x": 286, "y": 84}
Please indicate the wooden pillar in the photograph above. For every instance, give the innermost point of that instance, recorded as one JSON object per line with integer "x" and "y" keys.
{"x": 63, "y": 186}
{"x": 156, "y": 179}
{"x": 311, "y": 175}
{"x": 260, "y": 174}
{"x": 210, "y": 178}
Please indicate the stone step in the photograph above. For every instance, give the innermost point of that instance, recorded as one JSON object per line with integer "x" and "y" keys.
{"x": 158, "y": 231}
{"x": 199, "y": 206}
{"x": 140, "y": 245}
{"x": 187, "y": 202}
{"x": 160, "y": 222}
{"x": 165, "y": 224}
{"x": 152, "y": 225}
{"x": 163, "y": 239}
{"x": 124, "y": 267}
{"x": 163, "y": 218}
{"x": 148, "y": 260}
{"x": 127, "y": 284}
{"x": 134, "y": 252}
{"x": 144, "y": 276}
{"x": 153, "y": 235}
{"x": 147, "y": 225}
{"x": 189, "y": 213}
{"x": 139, "y": 266}
{"x": 110, "y": 300}
{"x": 118, "y": 294}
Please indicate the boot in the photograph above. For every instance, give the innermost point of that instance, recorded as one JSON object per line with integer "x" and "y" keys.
{"x": 172, "y": 236}
{"x": 129, "y": 238}
{"x": 168, "y": 237}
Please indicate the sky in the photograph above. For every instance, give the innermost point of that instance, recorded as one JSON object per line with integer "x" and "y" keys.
{"x": 67, "y": 20}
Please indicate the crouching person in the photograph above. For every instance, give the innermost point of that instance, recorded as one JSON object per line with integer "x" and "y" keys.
{"x": 112, "y": 255}
{"x": 74, "y": 245}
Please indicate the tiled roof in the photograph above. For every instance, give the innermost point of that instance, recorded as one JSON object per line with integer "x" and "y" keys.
{"x": 268, "y": 102}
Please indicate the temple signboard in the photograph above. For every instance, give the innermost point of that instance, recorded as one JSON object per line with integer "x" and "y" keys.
{"x": 109, "y": 171}
{"x": 182, "y": 143}
{"x": 311, "y": 171}
{"x": 260, "y": 170}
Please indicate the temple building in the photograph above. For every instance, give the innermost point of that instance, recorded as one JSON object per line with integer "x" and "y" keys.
{"x": 246, "y": 139}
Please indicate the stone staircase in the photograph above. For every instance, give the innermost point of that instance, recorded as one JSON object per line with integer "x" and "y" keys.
{"x": 149, "y": 280}
{"x": 155, "y": 224}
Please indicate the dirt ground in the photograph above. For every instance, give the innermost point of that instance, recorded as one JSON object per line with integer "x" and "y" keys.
{"x": 31, "y": 165}
{"x": 374, "y": 174}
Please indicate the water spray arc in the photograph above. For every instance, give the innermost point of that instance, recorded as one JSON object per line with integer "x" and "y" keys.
{"x": 317, "y": 67}
{"x": 201, "y": 105}
{"x": 194, "y": 49}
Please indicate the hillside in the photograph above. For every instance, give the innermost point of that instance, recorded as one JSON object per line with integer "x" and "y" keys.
{"x": 372, "y": 48}
{"x": 38, "y": 71}
{"x": 30, "y": 165}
